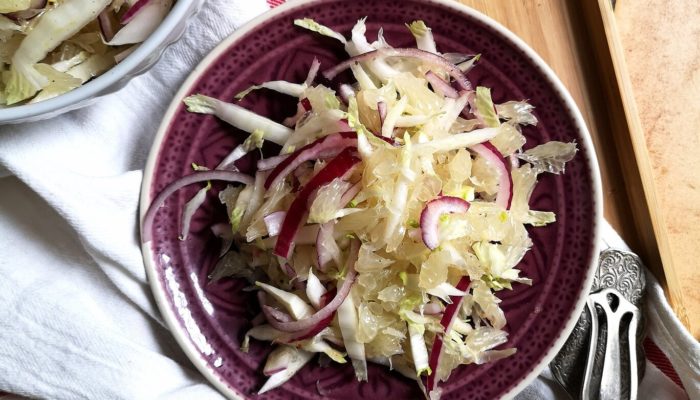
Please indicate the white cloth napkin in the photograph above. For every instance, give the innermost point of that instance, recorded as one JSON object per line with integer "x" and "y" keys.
{"x": 77, "y": 319}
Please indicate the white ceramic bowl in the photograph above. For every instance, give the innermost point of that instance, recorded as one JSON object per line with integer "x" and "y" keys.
{"x": 138, "y": 62}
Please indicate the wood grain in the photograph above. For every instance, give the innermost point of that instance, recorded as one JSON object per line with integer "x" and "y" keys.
{"x": 664, "y": 69}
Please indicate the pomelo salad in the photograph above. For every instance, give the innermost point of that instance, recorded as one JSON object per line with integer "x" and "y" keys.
{"x": 393, "y": 213}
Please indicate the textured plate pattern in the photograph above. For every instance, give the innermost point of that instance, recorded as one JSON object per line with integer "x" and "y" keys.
{"x": 216, "y": 315}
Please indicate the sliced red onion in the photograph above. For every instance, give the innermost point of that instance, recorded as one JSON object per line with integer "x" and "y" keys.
{"x": 504, "y": 197}
{"x": 329, "y": 309}
{"x": 298, "y": 210}
{"x": 291, "y": 273}
{"x": 471, "y": 100}
{"x": 327, "y": 146}
{"x": 201, "y": 176}
{"x": 131, "y": 12}
{"x": 343, "y": 126}
{"x": 273, "y": 222}
{"x": 327, "y": 297}
{"x": 305, "y": 104}
{"x": 274, "y": 314}
{"x": 269, "y": 163}
{"x": 107, "y": 21}
{"x": 327, "y": 249}
{"x": 350, "y": 193}
{"x": 451, "y": 311}
{"x": 381, "y": 109}
{"x": 270, "y": 372}
{"x": 440, "y": 86}
{"x": 293, "y": 277}
{"x": 430, "y": 217}
{"x": 422, "y": 55}
{"x": 313, "y": 331}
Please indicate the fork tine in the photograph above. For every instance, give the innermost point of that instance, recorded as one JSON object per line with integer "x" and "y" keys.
{"x": 632, "y": 340}
{"x": 593, "y": 345}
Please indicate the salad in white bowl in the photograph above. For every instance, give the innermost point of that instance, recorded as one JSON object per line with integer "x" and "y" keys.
{"x": 50, "y": 47}
{"x": 393, "y": 213}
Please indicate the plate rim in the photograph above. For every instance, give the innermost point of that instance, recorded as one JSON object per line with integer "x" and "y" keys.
{"x": 145, "y": 198}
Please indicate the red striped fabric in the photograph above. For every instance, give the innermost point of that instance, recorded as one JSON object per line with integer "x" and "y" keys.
{"x": 659, "y": 359}
{"x": 275, "y": 3}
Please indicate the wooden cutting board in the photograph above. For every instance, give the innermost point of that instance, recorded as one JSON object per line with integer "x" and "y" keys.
{"x": 580, "y": 41}
{"x": 661, "y": 42}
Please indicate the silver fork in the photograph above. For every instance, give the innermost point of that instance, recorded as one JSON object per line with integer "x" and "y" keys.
{"x": 614, "y": 307}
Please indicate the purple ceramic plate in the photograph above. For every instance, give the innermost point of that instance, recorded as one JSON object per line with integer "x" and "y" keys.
{"x": 209, "y": 319}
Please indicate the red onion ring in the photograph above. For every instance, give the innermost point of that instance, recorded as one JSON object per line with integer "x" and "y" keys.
{"x": 201, "y": 176}
{"x": 430, "y": 217}
{"x": 266, "y": 164}
{"x": 332, "y": 306}
{"x": 440, "y": 86}
{"x": 504, "y": 197}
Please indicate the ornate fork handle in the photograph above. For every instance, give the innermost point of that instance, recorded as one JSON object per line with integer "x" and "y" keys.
{"x": 613, "y": 377}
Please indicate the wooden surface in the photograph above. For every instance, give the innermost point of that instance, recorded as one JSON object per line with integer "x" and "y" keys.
{"x": 579, "y": 40}
{"x": 663, "y": 62}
